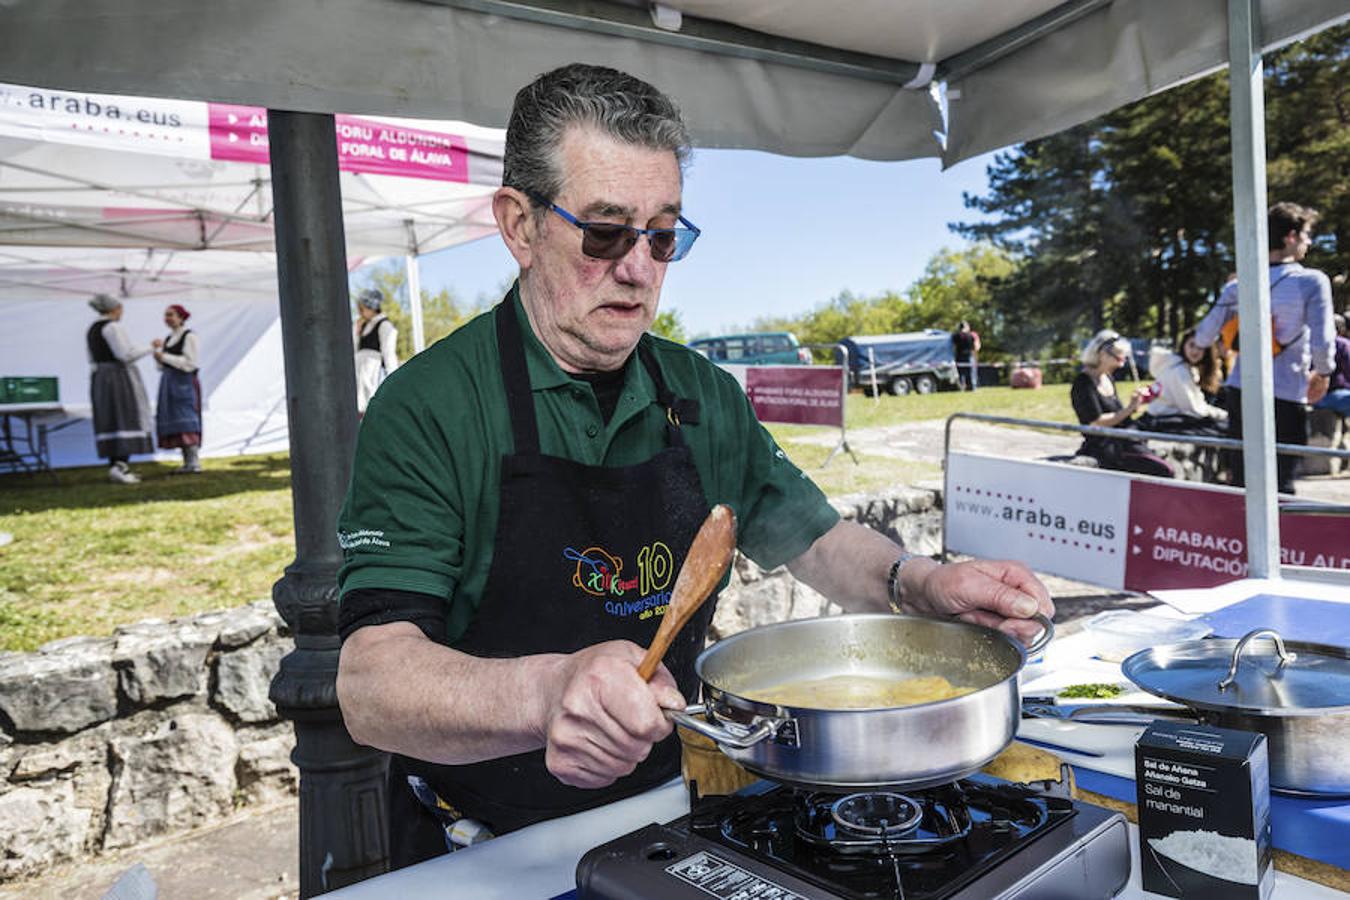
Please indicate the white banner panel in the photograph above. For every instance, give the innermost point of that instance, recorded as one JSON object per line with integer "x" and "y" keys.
{"x": 1058, "y": 519}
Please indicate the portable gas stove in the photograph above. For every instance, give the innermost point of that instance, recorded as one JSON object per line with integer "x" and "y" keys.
{"x": 975, "y": 839}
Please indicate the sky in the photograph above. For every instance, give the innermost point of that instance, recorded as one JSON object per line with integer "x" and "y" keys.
{"x": 780, "y": 235}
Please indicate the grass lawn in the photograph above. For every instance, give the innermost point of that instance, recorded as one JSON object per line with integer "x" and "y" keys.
{"x": 89, "y": 555}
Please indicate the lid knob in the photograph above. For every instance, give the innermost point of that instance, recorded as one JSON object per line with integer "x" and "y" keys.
{"x": 1285, "y": 656}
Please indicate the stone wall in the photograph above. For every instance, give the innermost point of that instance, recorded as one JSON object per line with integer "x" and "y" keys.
{"x": 165, "y": 726}
{"x": 105, "y": 742}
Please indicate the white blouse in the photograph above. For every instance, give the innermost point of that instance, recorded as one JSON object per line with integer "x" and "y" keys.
{"x": 187, "y": 360}
{"x": 388, "y": 338}
{"x": 119, "y": 342}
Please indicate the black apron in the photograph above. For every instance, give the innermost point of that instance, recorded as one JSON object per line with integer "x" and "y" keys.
{"x": 583, "y": 554}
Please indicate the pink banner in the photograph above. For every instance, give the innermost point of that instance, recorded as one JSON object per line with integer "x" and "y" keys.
{"x": 797, "y": 395}
{"x": 239, "y": 134}
{"x": 1183, "y": 537}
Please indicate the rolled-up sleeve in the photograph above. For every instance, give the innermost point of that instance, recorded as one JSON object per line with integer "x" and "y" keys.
{"x": 1207, "y": 329}
{"x": 1317, "y": 312}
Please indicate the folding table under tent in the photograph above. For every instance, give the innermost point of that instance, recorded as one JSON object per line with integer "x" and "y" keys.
{"x": 169, "y": 201}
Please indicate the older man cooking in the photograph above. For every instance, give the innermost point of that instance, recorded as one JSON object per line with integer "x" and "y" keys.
{"x": 525, "y": 491}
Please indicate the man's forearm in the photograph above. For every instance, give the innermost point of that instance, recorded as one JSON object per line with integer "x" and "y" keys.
{"x": 405, "y": 694}
{"x": 849, "y": 565}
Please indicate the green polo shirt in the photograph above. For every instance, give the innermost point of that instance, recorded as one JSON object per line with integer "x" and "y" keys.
{"x": 421, "y": 512}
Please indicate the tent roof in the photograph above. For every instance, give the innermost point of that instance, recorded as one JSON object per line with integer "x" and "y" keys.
{"x": 120, "y": 171}
{"x": 790, "y": 76}
{"x": 188, "y": 277}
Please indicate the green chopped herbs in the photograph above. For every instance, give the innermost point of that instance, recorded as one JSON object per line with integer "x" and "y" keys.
{"x": 1092, "y": 691}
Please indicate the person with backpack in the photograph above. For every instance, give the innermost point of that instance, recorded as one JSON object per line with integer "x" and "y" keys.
{"x": 1301, "y": 326}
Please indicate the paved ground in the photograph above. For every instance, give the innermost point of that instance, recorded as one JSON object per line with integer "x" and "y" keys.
{"x": 923, "y": 442}
{"x": 253, "y": 856}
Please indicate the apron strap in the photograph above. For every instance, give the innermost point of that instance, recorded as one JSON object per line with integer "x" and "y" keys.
{"x": 516, "y": 379}
{"x": 678, "y": 411}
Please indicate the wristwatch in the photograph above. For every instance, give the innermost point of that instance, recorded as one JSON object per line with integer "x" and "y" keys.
{"x": 893, "y": 581}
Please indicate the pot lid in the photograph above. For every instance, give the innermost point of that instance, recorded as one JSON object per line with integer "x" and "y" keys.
{"x": 1304, "y": 679}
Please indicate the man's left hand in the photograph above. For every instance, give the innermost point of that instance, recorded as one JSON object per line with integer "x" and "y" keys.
{"x": 1000, "y": 594}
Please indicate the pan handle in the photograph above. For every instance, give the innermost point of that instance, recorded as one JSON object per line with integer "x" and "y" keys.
{"x": 1047, "y": 635}
{"x": 1108, "y": 713}
{"x": 1285, "y": 656}
{"x": 692, "y": 718}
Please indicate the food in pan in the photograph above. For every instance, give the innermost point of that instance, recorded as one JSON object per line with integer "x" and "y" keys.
{"x": 860, "y": 692}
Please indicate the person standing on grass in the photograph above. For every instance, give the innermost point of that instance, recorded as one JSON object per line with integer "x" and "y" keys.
{"x": 966, "y": 348}
{"x": 1300, "y": 307}
{"x": 376, "y": 342}
{"x": 178, "y": 416}
{"x": 121, "y": 410}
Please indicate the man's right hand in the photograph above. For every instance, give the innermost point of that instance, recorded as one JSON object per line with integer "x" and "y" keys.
{"x": 602, "y": 718}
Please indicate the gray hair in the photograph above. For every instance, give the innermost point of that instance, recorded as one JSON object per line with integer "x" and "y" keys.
{"x": 371, "y": 298}
{"x": 626, "y": 108}
{"x": 102, "y": 303}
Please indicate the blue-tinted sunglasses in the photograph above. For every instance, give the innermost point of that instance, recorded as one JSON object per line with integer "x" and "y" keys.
{"x": 609, "y": 240}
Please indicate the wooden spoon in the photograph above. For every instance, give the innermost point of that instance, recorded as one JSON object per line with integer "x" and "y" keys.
{"x": 708, "y": 558}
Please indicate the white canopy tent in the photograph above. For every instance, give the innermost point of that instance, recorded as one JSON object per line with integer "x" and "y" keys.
{"x": 876, "y": 79}
{"x": 800, "y": 77}
{"x": 83, "y": 193}
{"x": 881, "y": 79}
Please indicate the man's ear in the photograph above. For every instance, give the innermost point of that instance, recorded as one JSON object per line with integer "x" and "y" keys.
{"x": 516, "y": 224}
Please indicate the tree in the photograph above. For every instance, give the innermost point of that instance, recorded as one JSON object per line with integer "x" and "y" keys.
{"x": 955, "y": 285}
{"x": 1127, "y": 220}
{"x": 668, "y": 324}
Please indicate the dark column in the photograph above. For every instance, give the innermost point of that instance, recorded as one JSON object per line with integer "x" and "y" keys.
{"x": 343, "y": 837}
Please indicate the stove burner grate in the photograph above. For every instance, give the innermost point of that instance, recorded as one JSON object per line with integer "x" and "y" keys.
{"x": 876, "y": 814}
{"x": 963, "y": 829}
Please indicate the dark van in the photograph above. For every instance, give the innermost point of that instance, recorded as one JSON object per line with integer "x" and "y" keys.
{"x": 770, "y": 348}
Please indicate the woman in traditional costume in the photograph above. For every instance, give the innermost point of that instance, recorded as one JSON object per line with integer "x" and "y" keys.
{"x": 376, "y": 340}
{"x": 121, "y": 410}
{"x": 178, "y": 417}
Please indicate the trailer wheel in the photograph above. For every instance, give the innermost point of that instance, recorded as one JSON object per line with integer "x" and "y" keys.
{"x": 899, "y": 386}
{"x": 925, "y": 384}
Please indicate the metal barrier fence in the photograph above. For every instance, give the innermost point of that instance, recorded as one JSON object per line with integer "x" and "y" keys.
{"x": 1305, "y": 508}
{"x": 1134, "y": 434}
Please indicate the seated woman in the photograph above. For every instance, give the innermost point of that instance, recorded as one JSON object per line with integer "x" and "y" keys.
{"x": 1188, "y": 378}
{"x": 1096, "y": 403}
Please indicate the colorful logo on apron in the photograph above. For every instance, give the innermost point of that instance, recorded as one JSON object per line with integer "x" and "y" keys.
{"x": 644, "y": 594}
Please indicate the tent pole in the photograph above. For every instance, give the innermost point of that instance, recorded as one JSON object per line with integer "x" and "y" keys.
{"x": 419, "y": 340}
{"x": 343, "y": 835}
{"x": 1248, "y": 123}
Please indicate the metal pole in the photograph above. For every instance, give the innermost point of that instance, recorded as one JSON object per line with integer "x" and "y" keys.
{"x": 415, "y": 302}
{"x": 414, "y": 283}
{"x": 343, "y": 836}
{"x": 1248, "y": 124}
{"x": 872, "y": 367}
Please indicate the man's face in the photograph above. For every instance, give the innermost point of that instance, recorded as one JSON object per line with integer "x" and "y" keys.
{"x": 589, "y": 312}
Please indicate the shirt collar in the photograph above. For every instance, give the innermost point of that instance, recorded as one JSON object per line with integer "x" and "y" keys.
{"x": 544, "y": 371}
